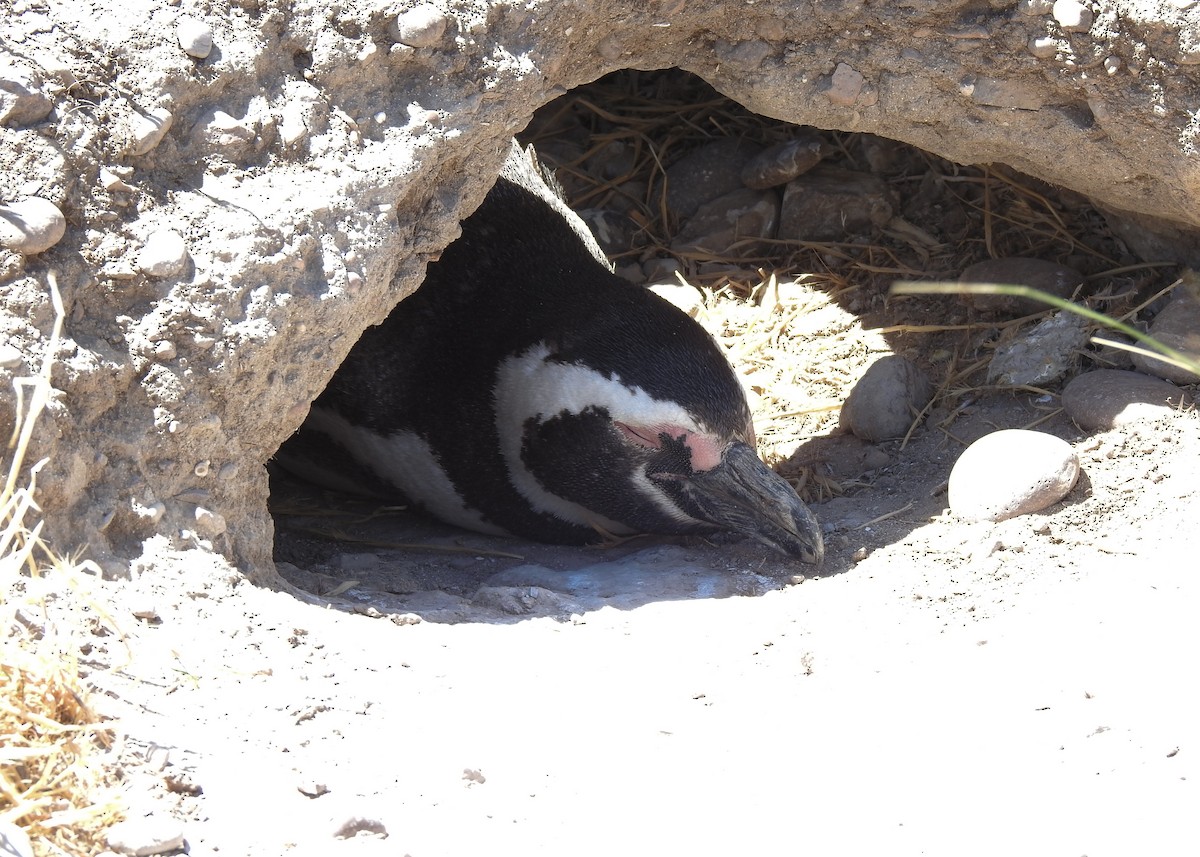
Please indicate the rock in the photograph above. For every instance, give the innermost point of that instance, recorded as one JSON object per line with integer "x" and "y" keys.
{"x": 145, "y": 836}
{"x": 783, "y": 162}
{"x": 164, "y": 255}
{"x": 728, "y": 225}
{"x": 832, "y": 204}
{"x": 1050, "y": 277}
{"x": 1072, "y": 16}
{"x": 31, "y": 225}
{"x": 22, "y": 101}
{"x": 114, "y": 183}
{"x": 844, "y": 86}
{"x": 422, "y": 26}
{"x": 209, "y": 524}
{"x": 886, "y": 400}
{"x": 195, "y": 37}
{"x": 1107, "y": 398}
{"x": 706, "y": 173}
{"x": 1041, "y": 354}
{"x": 10, "y": 356}
{"x": 1009, "y": 473}
{"x": 358, "y": 826}
{"x": 1177, "y": 327}
{"x": 148, "y": 129}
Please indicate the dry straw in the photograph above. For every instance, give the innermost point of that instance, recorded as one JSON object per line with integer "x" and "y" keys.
{"x": 49, "y": 736}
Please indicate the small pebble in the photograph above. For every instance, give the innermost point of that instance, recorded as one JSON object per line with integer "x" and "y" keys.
{"x": 783, "y": 162}
{"x": 209, "y": 523}
{"x": 164, "y": 350}
{"x": 422, "y": 26}
{"x": 195, "y": 37}
{"x": 1107, "y": 398}
{"x": 885, "y": 401}
{"x": 311, "y": 788}
{"x": 152, "y": 513}
{"x": 202, "y": 467}
{"x": 22, "y": 101}
{"x": 1041, "y": 354}
{"x": 146, "y": 612}
{"x": 1045, "y": 276}
{"x": 1043, "y": 47}
{"x": 10, "y": 356}
{"x": 356, "y": 826}
{"x": 1009, "y": 473}
{"x": 142, "y": 837}
{"x": 31, "y": 225}
{"x": 148, "y": 130}
{"x": 1072, "y": 16}
{"x": 845, "y": 85}
{"x": 1177, "y": 327}
{"x": 164, "y": 255}
{"x": 113, "y": 183}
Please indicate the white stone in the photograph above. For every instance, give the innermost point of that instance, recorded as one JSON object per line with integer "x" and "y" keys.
{"x": 1043, "y": 47}
{"x": 209, "y": 523}
{"x": 1011, "y": 472}
{"x": 195, "y": 37}
{"x": 31, "y": 225}
{"x": 142, "y": 837}
{"x": 148, "y": 129}
{"x": 10, "y": 356}
{"x": 421, "y": 27}
{"x": 1072, "y": 16}
{"x": 293, "y": 127}
{"x": 113, "y": 183}
{"x": 164, "y": 255}
{"x": 22, "y": 101}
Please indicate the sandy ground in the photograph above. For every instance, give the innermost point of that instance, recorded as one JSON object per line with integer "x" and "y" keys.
{"x": 1026, "y": 687}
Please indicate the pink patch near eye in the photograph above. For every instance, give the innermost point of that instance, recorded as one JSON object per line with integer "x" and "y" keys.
{"x": 705, "y": 450}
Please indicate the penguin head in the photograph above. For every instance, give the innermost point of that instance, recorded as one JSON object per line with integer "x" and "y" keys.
{"x": 643, "y": 433}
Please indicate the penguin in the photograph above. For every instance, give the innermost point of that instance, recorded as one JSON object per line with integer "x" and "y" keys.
{"x": 526, "y": 390}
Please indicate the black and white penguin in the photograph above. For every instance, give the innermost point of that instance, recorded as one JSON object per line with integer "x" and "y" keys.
{"x": 526, "y": 390}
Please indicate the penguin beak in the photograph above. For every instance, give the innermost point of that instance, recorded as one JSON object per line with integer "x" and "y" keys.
{"x": 743, "y": 495}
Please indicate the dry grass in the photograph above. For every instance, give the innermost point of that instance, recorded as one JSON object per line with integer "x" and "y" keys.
{"x": 49, "y": 766}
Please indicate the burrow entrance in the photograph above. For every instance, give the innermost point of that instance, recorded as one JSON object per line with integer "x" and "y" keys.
{"x": 791, "y": 274}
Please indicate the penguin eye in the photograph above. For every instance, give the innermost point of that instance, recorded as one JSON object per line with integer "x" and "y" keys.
{"x": 640, "y": 435}
{"x": 704, "y": 450}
